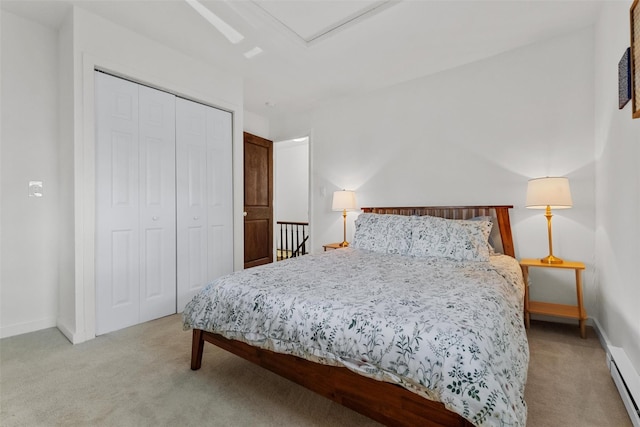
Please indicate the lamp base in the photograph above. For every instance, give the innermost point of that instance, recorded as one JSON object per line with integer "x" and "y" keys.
{"x": 344, "y": 244}
{"x": 550, "y": 259}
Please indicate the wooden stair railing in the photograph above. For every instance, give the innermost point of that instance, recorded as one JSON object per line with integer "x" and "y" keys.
{"x": 292, "y": 241}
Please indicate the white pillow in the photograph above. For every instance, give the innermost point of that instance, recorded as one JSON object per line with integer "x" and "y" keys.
{"x": 460, "y": 240}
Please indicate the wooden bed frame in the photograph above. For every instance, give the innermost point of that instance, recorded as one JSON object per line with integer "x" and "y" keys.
{"x": 387, "y": 403}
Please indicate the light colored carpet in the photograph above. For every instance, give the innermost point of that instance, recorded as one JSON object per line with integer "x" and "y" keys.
{"x": 140, "y": 376}
{"x": 568, "y": 382}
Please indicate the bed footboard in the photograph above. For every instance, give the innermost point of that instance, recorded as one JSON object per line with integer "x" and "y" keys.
{"x": 384, "y": 402}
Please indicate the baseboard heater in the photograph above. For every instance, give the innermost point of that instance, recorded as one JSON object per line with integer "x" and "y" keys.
{"x": 627, "y": 381}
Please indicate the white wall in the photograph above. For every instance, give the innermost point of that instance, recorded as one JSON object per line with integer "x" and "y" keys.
{"x": 256, "y": 124}
{"x": 472, "y": 135}
{"x": 68, "y": 301}
{"x": 29, "y": 291}
{"x": 617, "y": 188}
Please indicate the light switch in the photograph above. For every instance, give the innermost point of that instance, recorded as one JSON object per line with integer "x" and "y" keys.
{"x": 35, "y": 188}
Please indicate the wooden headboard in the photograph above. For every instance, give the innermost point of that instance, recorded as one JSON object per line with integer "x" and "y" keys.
{"x": 499, "y": 214}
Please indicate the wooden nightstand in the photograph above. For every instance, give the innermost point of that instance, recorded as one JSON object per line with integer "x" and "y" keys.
{"x": 332, "y": 246}
{"x": 550, "y": 309}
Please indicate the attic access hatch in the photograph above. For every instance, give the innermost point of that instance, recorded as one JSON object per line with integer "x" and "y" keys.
{"x": 311, "y": 21}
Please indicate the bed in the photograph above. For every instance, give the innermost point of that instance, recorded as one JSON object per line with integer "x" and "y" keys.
{"x": 418, "y": 336}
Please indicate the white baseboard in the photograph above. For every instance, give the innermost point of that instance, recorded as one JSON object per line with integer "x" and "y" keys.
{"x": 37, "y": 325}
{"x": 73, "y": 337}
{"x": 26, "y": 327}
{"x": 624, "y": 375}
{"x": 627, "y": 380}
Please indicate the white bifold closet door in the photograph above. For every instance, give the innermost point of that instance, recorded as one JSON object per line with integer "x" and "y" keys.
{"x": 163, "y": 201}
{"x": 135, "y": 204}
{"x": 204, "y": 177}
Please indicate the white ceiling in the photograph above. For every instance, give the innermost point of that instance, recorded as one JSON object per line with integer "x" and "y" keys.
{"x": 319, "y": 50}
{"x": 314, "y": 20}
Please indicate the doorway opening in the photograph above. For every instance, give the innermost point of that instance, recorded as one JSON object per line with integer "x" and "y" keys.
{"x": 291, "y": 198}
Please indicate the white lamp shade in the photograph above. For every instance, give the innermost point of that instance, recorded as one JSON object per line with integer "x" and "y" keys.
{"x": 344, "y": 200}
{"x": 549, "y": 191}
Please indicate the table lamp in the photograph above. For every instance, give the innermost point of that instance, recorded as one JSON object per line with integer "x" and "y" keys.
{"x": 549, "y": 193}
{"x": 344, "y": 201}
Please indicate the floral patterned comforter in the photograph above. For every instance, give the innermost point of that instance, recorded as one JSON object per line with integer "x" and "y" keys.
{"x": 450, "y": 331}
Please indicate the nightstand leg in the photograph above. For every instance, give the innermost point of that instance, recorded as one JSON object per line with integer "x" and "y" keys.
{"x": 583, "y": 315}
{"x": 525, "y": 277}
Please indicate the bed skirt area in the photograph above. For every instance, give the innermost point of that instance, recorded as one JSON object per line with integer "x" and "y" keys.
{"x": 384, "y": 402}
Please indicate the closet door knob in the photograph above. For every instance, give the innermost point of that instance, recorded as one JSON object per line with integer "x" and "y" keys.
{"x": 244, "y": 214}
{"x": 195, "y": 218}
{"x": 155, "y": 218}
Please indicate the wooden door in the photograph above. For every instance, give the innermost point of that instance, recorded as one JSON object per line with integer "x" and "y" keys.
{"x": 258, "y": 200}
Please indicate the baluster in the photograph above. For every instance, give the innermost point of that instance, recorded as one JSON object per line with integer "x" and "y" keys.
{"x": 304, "y": 240}
{"x": 279, "y": 248}
{"x": 291, "y": 244}
{"x": 286, "y": 240}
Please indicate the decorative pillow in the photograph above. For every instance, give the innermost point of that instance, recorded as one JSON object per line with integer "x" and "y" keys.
{"x": 460, "y": 240}
{"x": 399, "y": 234}
{"x": 495, "y": 240}
{"x": 371, "y": 232}
{"x": 383, "y": 233}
